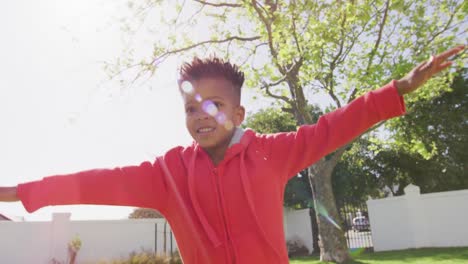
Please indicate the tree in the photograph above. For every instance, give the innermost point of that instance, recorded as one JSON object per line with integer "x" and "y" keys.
{"x": 353, "y": 180}
{"x": 139, "y": 213}
{"x": 427, "y": 148}
{"x": 271, "y": 120}
{"x": 293, "y": 49}
{"x": 430, "y": 144}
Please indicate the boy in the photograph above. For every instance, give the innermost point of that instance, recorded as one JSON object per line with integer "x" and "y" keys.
{"x": 223, "y": 195}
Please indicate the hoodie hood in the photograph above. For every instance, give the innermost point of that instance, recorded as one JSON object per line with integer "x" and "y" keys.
{"x": 236, "y": 138}
{"x": 239, "y": 143}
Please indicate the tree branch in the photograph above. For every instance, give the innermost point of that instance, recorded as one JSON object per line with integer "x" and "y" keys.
{"x": 330, "y": 76}
{"x": 296, "y": 39}
{"x": 289, "y": 73}
{"x": 180, "y": 12}
{"x": 267, "y": 87}
{"x": 376, "y": 46}
{"x": 164, "y": 55}
{"x": 187, "y": 21}
{"x": 252, "y": 53}
{"x": 293, "y": 69}
{"x": 333, "y": 96}
{"x": 447, "y": 25}
{"x": 218, "y": 4}
{"x": 387, "y": 44}
{"x": 341, "y": 45}
{"x": 354, "y": 38}
{"x": 267, "y": 24}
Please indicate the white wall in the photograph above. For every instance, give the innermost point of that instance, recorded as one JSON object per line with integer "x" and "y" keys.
{"x": 409, "y": 221}
{"x": 297, "y": 225}
{"x": 415, "y": 220}
{"x": 40, "y": 242}
{"x": 24, "y": 242}
{"x": 103, "y": 240}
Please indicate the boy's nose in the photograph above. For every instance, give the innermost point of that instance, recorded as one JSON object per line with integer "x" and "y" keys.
{"x": 202, "y": 115}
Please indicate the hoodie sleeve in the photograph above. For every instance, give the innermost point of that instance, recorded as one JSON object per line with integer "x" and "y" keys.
{"x": 295, "y": 151}
{"x": 140, "y": 186}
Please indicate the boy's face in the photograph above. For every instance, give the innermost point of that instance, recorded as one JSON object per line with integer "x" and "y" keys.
{"x": 212, "y": 111}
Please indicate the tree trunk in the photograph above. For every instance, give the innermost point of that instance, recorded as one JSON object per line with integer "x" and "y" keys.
{"x": 332, "y": 241}
{"x": 315, "y": 231}
{"x": 165, "y": 238}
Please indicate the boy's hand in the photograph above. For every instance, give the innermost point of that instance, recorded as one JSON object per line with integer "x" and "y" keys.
{"x": 8, "y": 194}
{"x": 424, "y": 71}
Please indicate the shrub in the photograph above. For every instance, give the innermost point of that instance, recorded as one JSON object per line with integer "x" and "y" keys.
{"x": 296, "y": 248}
{"x": 147, "y": 257}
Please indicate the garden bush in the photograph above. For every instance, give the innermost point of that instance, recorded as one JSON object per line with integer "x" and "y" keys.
{"x": 296, "y": 248}
{"x": 148, "y": 257}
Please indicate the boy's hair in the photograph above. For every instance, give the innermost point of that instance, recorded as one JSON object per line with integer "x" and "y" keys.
{"x": 211, "y": 67}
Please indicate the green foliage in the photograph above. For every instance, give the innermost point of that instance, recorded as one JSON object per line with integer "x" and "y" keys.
{"x": 271, "y": 120}
{"x": 297, "y": 194}
{"x": 352, "y": 179}
{"x": 75, "y": 244}
{"x": 427, "y": 148}
{"x": 147, "y": 257}
{"x": 411, "y": 256}
{"x": 342, "y": 49}
{"x": 139, "y": 213}
{"x": 429, "y": 144}
{"x": 296, "y": 248}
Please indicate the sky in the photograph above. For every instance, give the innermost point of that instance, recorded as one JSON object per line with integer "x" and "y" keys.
{"x": 60, "y": 114}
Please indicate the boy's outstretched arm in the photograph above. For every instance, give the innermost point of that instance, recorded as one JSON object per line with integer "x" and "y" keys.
{"x": 139, "y": 186}
{"x": 424, "y": 71}
{"x": 294, "y": 151}
{"x": 8, "y": 194}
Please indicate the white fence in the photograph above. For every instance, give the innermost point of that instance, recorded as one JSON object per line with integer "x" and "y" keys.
{"x": 41, "y": 242}
{"x": 297, "y": 226}
{"x": 409, "y": 221}
{"x": 415, "y": 220}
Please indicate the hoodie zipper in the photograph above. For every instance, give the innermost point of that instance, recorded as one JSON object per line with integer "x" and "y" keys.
{"x": 229, "y": 245}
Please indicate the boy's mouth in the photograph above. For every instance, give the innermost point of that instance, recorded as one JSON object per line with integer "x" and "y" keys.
{"x": 204, "y": 130}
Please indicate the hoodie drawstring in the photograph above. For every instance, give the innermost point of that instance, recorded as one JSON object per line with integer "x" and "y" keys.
{"x": 201, "y": 216}
{"x": 246, "y": 186}
{"x": 183, "y": 207}
{"x": 248, "y": 192}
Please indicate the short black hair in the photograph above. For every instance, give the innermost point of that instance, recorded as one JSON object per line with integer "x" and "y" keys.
{"x": 211, "y": 67}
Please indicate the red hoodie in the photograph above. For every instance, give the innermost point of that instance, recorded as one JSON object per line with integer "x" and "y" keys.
{"x": 230, "y": 213}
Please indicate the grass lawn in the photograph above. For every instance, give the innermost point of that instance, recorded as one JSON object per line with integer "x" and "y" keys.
{"x": 411, "y": 256}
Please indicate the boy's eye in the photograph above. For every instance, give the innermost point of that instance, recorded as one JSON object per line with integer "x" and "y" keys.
{"x": 217, "y": 104}
{"x": 190, "y": 110}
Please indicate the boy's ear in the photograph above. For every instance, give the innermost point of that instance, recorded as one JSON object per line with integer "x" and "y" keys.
{"x": 239, "y": 116}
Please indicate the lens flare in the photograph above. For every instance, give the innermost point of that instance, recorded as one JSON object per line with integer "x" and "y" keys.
{"x": 187, "y": 87}
{"x": 355, "y": 252}
{"x": 220, "y": 118}
{"x": 323, "y": 212}
{"x": 228, "y": 125}
{"x": 210, "y": 108}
